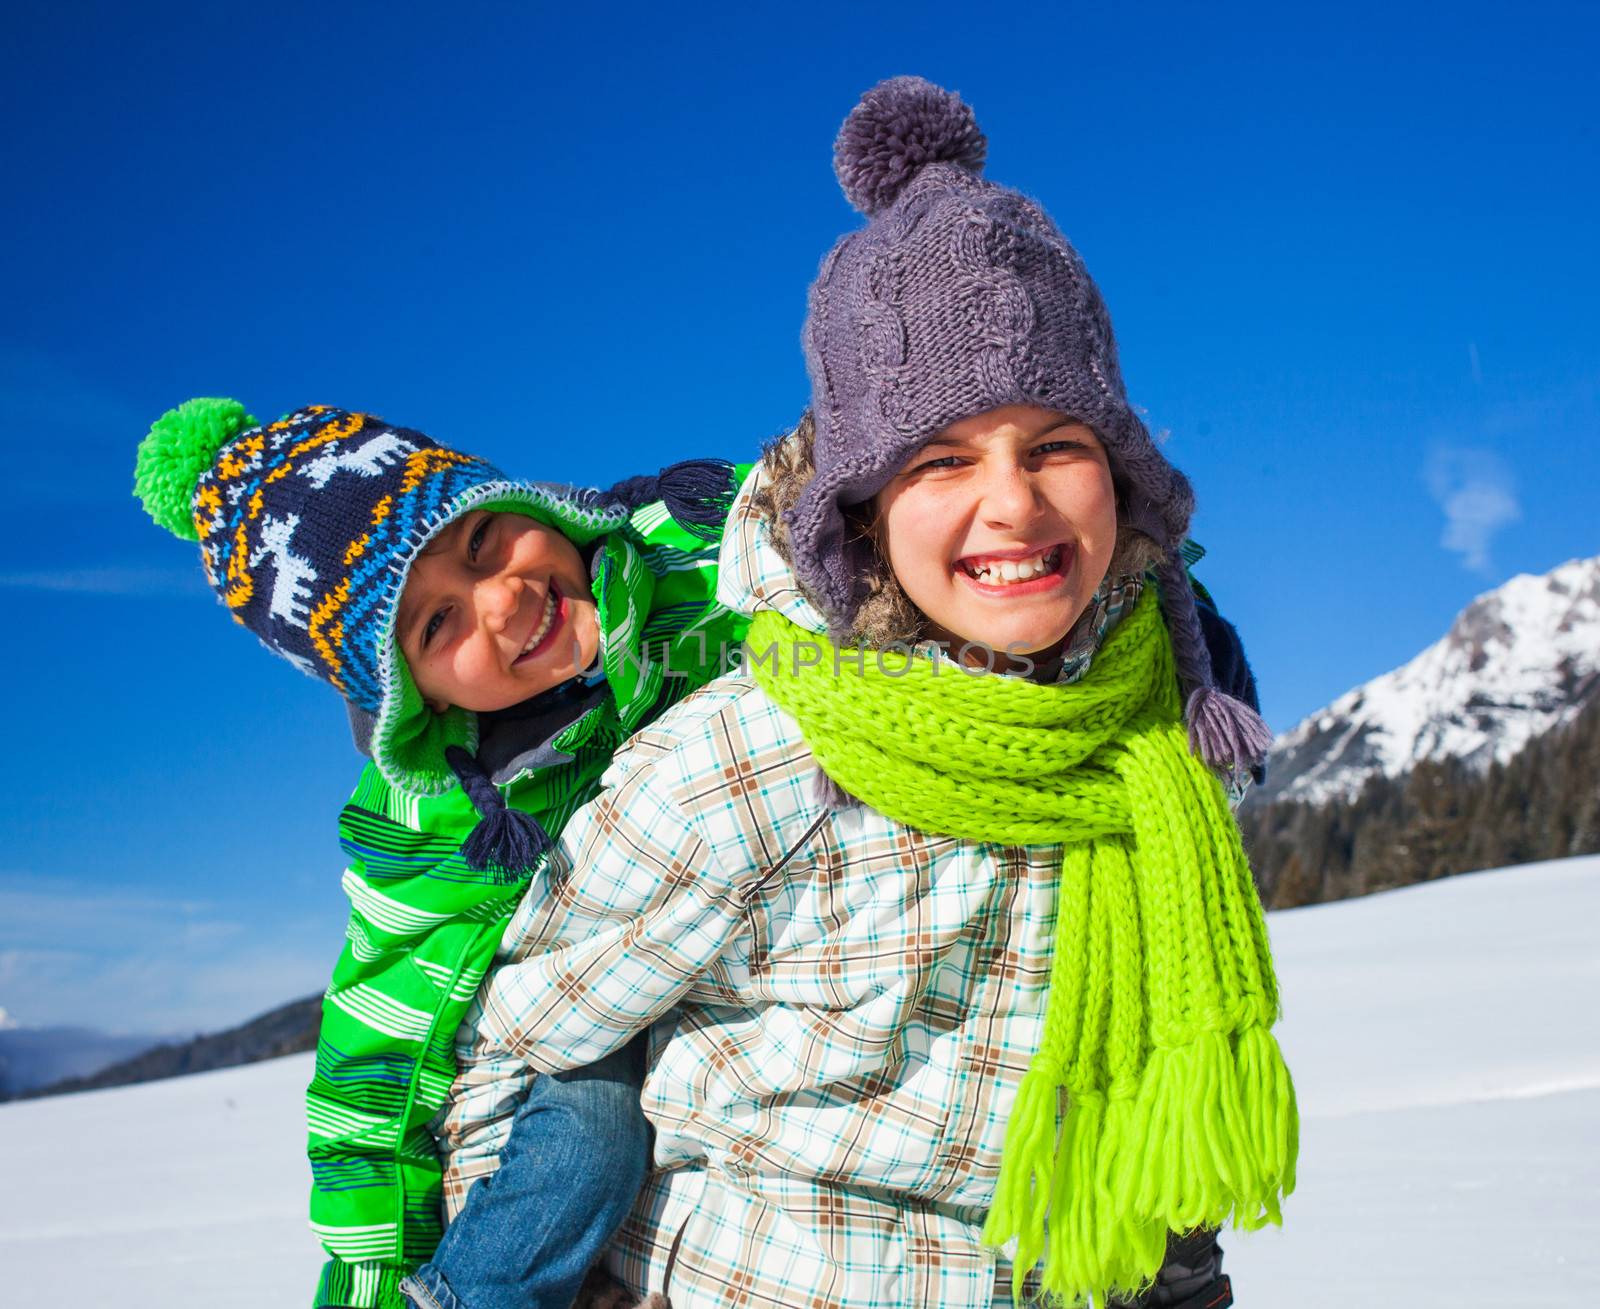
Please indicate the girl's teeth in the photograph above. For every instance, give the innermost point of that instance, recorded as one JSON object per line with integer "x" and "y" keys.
{"x": 999, "y": 572}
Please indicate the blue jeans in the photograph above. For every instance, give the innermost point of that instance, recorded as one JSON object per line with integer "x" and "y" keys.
{"x": 570, "y": 1171}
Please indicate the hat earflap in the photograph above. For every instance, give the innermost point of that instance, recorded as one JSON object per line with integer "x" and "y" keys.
{"x": 1225, "y": 733}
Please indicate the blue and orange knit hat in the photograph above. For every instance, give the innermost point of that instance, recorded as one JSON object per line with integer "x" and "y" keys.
{"x": 308, "y": 528}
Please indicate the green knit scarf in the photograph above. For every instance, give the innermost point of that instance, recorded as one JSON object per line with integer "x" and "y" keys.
{"x": 1179, "y": 1109}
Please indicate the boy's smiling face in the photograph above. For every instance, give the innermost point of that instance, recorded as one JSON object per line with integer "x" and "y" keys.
{"x": 496, "y": 609}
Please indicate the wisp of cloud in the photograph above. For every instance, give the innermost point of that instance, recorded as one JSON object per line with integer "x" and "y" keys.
{"x": 108, "y": 581}
{"x": 1478, "y": 494}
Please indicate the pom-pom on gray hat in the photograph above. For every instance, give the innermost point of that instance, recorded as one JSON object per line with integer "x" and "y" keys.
{"x": 960, "y": 296}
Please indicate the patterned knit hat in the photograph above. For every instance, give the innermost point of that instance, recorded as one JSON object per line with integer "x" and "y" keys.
{"x": 958, "y": 297}
{"x": 308, "y": 528}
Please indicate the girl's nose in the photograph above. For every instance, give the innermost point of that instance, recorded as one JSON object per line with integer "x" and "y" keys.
{"x": 1010, "y": 497}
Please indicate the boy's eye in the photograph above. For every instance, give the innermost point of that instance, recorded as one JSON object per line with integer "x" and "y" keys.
{"x": 475, "y": 541}
{"x": 431, "y": 630}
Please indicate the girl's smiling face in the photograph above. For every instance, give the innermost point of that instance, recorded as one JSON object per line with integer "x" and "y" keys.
{"x": 1001, "y": 529}
{"x": 496, "y": 609}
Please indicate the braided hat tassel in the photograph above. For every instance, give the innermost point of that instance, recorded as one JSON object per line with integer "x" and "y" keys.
{"x": 1224, "y": 732}
{"x": 697, "y": 493}
{"x": 506, "y": 840}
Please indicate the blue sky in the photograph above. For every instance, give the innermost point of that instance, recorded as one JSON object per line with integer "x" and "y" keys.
{"x": 1351, "y": 259}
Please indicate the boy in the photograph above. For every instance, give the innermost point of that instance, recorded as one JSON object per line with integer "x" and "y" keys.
{"x": 494, "y": 641}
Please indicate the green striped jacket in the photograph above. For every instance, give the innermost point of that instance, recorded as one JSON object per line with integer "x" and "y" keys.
{"x": 424, "y": 927}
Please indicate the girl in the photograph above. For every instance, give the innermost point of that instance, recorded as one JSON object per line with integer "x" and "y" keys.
{"x": 958, "y": 969}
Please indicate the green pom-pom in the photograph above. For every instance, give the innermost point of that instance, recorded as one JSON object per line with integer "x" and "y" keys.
{"x": 183, "y": 444}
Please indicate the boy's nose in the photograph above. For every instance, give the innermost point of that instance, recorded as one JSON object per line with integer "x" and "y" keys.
{"x": 498, "y": 600}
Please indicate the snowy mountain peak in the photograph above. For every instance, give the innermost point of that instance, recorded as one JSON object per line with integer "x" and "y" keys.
{"x": 7, "y": 1022}
{"x": 1517, "y": 662}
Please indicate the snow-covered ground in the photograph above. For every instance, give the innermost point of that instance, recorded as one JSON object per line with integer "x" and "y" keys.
{"x": 1445, "y": 1040}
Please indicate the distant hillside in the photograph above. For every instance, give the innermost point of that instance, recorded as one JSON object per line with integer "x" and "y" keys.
{"x": 288, "y": 1030}
{"x": 1444, "y": 816}
{"x": 1516, "y": 664}
{"x": 1481, "y": 752}
{"x": 31, "y": 1057}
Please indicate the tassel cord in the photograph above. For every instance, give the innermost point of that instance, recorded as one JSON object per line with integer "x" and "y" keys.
{"x": 506, "y": 841}
{"x": 698, "y": 493}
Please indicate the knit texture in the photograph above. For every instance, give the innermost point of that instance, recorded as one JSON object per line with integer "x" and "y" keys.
{"x": 179, "y": 450}
{"x": 1180, "y": 1111}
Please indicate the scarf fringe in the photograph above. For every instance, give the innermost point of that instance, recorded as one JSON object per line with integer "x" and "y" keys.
{"x": 1022, "y": 1191}
{"x": 1208, "y": 1136}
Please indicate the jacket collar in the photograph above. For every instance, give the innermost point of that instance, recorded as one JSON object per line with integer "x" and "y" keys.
{"x": 751, "y": 575}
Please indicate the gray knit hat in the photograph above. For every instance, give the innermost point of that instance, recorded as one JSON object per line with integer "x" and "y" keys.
{"x": 958, "y": 297}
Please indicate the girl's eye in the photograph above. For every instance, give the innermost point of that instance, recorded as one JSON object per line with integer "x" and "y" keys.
{"x": 475, "y": 543}
{"x": 947, "y": 461}
{"x": 432, "y": 629}
{"x": 1056, "y": 447}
